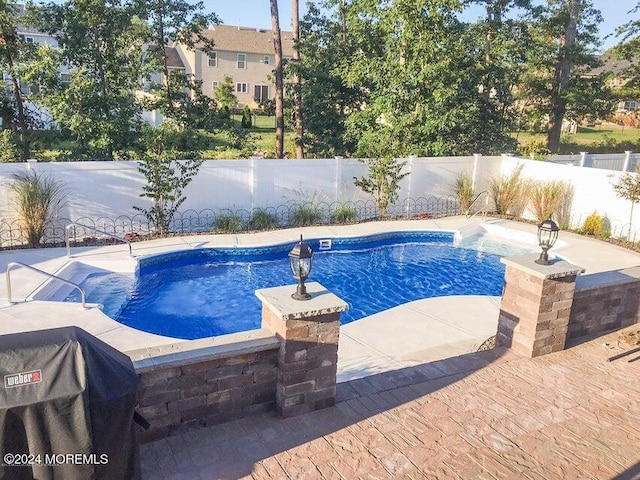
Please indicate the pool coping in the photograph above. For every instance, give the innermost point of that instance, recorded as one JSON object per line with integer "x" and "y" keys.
{"x": 578, "y": 250}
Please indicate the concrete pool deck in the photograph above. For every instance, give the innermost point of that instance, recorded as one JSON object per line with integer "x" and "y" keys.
{"x": 420, "y": 332}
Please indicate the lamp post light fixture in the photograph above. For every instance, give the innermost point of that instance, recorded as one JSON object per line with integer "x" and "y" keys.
{"x": 547, "y": 236}
{"x": 300, "y": 258}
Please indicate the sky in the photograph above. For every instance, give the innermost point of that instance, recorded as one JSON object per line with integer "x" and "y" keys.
{"x": 257, "y": 13}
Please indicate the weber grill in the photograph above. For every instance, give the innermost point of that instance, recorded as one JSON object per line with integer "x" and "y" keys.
{"x": 66, "y": 408}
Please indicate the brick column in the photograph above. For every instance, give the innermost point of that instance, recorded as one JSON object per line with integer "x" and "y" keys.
{"x": 308, "y": 332}
{"x": 536, "y": 303}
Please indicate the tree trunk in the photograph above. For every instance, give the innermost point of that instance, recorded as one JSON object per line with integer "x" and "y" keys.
{"x": 22, "y": 116}
{"x": 562, "y": 77}
{"x": 297, "y": 99}
{"x": 277, "y": 45}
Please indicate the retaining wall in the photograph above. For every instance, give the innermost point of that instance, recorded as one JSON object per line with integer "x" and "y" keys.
{"x": 597, "y": 308}
{"x": 206, "y": 387}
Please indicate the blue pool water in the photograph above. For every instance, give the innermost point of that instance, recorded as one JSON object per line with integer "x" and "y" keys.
{"x": 210, "y": 292}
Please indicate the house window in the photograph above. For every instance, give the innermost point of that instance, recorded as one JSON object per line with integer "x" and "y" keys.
{"x": 29, "y": 40}
{"x": 215, "y": 84}
{"x": 242, "y": 61}
{"x": 631, "y": 105}
{"x": 213, "y": 59}
{"x": 261, "y": 93}
{"x": 242, "y": 87}
{"x": 65, "y": 79}
{"x": 267, "y": 60}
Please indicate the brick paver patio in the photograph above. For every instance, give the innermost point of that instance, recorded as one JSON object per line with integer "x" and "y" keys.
{"x": 487, "y": 415}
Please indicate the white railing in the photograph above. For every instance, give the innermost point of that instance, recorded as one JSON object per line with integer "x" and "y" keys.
{"x": 83, "y": 295}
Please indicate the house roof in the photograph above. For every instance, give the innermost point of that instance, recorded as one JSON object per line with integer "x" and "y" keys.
{"x": 173, "y": 58}
{"x": 248, "y": 40}
{"x": 171, "y": 54}
{"x": 610, "y": 64}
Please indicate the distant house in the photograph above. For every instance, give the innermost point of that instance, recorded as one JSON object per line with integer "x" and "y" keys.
{"x": 244, "y": 54}
{"x": 616, "y": 68}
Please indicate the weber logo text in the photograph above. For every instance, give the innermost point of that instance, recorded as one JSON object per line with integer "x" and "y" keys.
{"x": 24, "y": 378}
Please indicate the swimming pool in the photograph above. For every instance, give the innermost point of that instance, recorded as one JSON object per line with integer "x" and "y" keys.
{"x": 202, "y": 293}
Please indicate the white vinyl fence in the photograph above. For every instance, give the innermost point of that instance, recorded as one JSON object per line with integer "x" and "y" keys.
{"x": 621, "y": 162}
{"x": 102, "y": 192}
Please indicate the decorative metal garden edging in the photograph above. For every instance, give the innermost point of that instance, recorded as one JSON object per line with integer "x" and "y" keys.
{"x": 13, "y": 235}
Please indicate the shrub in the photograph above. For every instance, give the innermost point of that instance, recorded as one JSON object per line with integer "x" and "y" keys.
{"x": 9, "y": 151}
{"x": 37, "y": 197}
{"x": 464, "y": 191}
{"x": 537, "y": 150}
{"x": 509, "y": 193}
{"x": 382, "y": 181}
{"x": 344, "y": 214}
{"x": 261, "y": 220}
{"x": 548, "y": 198}
{"x": 593, "y": 225}
{"x": 228, "y": 223}
{"x": 246, "y": 121}
{"x": 305, "y": 215}
{"x": 628, "y": 187}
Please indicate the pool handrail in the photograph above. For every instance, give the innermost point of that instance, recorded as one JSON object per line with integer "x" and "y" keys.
{"x": 67, "y": 238}
{"x": 484, "y": 211}
{"x": 83, "y": 295}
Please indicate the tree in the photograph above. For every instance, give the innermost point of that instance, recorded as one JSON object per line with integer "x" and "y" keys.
{"x": 246, "y": 117}
{"x": 382, "y": 181}
{"x": 629, "y": 49}
{"x": 297, "y": 101}
{"x": 416, "y": 68}
{"x": 628, "y": 187}
{"x": 101, "y": 41}
{"x": 170, "y": 163}
{"x": 564, "y": 35}
{"x": 326, "y": 99}
{"x": 14, "y": 54}
{"x": 278, "y": 73}
{"x": 224, "y": 94}
{"x": 179, "y": 96}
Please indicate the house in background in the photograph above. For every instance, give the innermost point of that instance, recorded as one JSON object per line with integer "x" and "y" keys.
{"x": 627, "y": 109}
{"x": 245, "y": 54}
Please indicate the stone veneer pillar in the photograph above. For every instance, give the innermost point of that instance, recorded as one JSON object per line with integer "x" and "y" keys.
{"x": 536, "y": 303}
{"x": 308, "y": 356}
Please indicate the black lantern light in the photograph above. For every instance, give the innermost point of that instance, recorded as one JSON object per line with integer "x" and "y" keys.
{"x": 300, "y": 262}
{"x": 547, "y": 236}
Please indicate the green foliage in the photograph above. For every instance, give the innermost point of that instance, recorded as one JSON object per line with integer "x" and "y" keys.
{"x": 228, "y": 223}
{"x": 344, "y": 213}
{"x": 509, "y": 193}
{"x": 8, "y": 149}
{"x": 628, "y": 187}
{"x": 593, "y": 225}
{"x": 261, "y": 220}
{"x": 303, "y": 215}
{"x": 464, "y": 191}
{"x": 537, "y": 150}
{"x": 382, "y": 181}
{"x": 224, "y": 94}
{"x": 16, "y": 58}
{"x": 547, "y": 198}
{"x": 37, "y": 197}
{"x": 553, "y": 83}
{"x": 179, "y": 95}
{"x": 168, "y": 165}
{"x": 247, "y": 120}
{"x": 102, "y": 42}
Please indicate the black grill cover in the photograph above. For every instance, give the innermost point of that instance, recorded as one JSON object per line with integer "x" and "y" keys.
{"x": 66, "y": 392}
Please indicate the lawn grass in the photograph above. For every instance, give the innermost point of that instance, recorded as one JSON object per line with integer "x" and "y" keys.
{"x": 605, "y": 138}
